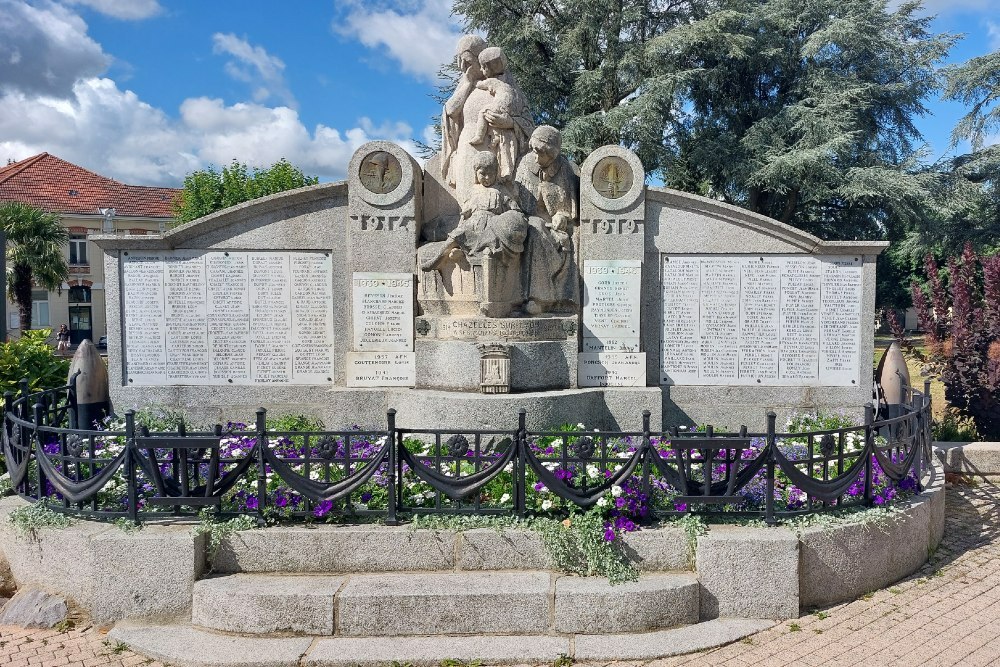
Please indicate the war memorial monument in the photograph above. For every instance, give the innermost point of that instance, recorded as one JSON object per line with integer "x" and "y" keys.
{"x": 448, "y": 317}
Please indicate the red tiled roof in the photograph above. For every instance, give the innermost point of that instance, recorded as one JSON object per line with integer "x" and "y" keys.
{"x": 58, "y": 186}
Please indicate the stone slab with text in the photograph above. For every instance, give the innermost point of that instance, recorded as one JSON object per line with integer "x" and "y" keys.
{"x": 206, "y": 317}
{"x": 779, "y": 320}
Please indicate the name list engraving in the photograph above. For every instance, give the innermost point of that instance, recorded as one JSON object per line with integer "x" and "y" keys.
{"x": 611, "y": 369}
{"x": 383, "y": 312}
{"x": 611, "y": 297}
{"x": 381, "y": 369}
{"x": 196, "y": 317}
{"x": 769, "y": 320}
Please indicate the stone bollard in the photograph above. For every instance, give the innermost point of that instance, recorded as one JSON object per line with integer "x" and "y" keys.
{"x": 894, "y": 378}
{"x": 93, "y": 401}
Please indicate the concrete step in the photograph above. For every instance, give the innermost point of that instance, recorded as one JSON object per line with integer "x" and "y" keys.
{"x": 422, "y": 603}
{"x": 346, "y": 549}
{"x": 186, "y": 646}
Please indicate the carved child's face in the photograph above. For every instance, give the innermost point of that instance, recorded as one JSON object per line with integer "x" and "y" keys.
{"x": 492, "y": 68}
{"x": 486, "y": 175}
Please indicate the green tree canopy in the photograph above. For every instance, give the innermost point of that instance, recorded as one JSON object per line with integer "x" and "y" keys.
{"x": 802, "y": 110}
{"x": 36, "y": 246}
{"x": 208, "y": 190}
{"x": 584, "y": 66}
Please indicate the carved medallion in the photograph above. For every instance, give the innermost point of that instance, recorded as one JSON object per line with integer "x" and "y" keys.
{"x": 380, "y": 172}
{"x": 612, "y": 177}
{"x": 494, "y": 367}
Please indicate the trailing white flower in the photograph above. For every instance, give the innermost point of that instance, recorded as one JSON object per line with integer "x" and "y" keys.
{"x": 602, "y": 501}
{"x": 617, "y": 491}
{"x": 504, "y": 498}
{"x": 546, "y": 505}
{"x": 593, "y": 471}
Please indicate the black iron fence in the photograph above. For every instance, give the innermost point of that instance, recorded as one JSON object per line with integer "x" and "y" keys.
{"x": 127, "y": 471}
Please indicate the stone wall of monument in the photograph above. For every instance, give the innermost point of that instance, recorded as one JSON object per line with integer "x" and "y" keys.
{"x": 313, "y": 301}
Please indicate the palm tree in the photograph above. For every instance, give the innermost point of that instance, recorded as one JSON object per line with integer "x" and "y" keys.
{"x": 35, "y": 253}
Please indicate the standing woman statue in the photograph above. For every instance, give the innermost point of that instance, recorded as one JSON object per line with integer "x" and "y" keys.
{"x": 498, "y": 102}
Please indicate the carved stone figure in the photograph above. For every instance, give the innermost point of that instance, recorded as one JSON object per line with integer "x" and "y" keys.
{"x": 512, "y": 248}
{"x": 507, "y": 118}
{"x": 547, "y": 186}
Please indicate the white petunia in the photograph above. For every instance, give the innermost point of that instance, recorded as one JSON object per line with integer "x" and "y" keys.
{"x": 602, "y": 501}
{"x": 546, "y": 505}
{"x": 616, "y": 491}
{"x": 593, "y": 471}
{"x": 504, "y": 498}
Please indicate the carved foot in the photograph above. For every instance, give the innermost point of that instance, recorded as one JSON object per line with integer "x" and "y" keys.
{"x": 533, "y": 308}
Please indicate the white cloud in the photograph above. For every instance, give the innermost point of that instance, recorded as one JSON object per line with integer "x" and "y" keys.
{"x": 420, "y": 36}
{"x": 53, "y": 99}
{"x": 45, "y": 48}
{"x": 993, "y": 30}
{"x": 126, "y": 10}
{"x": 116, "y": 134}
{"x": 254, "y": 65}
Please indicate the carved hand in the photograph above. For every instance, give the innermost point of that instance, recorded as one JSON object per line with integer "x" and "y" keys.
{"x": 500, "y": 121}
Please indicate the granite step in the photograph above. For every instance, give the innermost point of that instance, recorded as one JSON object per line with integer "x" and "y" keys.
{"x": 422, "y": 603}
{"x": 187, "y": 646}
{"x": 365, "y": 548}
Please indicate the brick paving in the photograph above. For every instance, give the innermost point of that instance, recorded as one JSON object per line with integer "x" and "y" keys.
{"x": 948, "y": 613}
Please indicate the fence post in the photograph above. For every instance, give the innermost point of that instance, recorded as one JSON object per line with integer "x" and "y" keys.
{"x": 261, "y": 437}
{"x": 521, "y": 443}
{"x": 25, "y": 392}
{"x": 869, "y": 448}
{"x": 130, "y": 481}
{"x": 647, "y": 451}
{"x": 771, "y": 446}
{"x": 917, "y": 421}
{"x": 39, "y": 409}
{"x": 390, "y": 518}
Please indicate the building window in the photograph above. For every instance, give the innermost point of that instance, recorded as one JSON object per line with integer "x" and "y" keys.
{"x": 79, "y": 294}
{"x": 78, "y": 249}
{"x": 39, "y": 308}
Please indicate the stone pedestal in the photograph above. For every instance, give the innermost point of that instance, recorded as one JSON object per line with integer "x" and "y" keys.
{"x": 542, "y": 351}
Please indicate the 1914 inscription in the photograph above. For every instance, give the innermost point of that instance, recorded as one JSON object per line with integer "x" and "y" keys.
{"x": 199, "y": 317}
{"x": 761, "y": 320}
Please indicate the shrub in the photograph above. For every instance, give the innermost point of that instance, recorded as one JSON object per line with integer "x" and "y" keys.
{"x": 959, "y": 311}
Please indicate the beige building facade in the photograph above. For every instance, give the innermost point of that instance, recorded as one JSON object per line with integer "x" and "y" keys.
{"x": 87, "y": 204}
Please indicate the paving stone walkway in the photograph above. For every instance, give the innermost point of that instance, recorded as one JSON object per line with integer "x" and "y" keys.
{"x": 948, "y": 613}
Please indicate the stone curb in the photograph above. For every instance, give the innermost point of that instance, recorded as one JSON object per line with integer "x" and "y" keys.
{"x": 185, "y": 646}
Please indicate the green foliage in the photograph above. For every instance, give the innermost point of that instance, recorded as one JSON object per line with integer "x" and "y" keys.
{"x": 217, "y": 531}
{"x": 127, "y": 526}
{"x": 28, "y": 519}
{"x": 301, "y": 423}
{"x": 160, "y": 419}
{"x": 31, "y": 357}
{"x": 208, "y": 190}
{"x": 791, "y": 112}
{"x": 584, "y": 66}
{"x": 577, "y": 545}
{"x": 35, "y": 247}
{"x": 955, "y": 427}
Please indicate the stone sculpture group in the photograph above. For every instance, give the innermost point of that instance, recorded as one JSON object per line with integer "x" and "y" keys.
{"x": 512, "y": 245}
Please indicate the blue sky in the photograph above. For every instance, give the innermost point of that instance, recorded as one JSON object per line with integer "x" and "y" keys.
{"x": 145, "y": 91}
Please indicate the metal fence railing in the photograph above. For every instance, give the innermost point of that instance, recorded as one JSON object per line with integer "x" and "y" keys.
{"x": 391, "y": 472}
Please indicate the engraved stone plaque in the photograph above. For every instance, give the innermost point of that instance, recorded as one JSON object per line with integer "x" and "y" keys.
{"x": 383, "y": 311}
{"x": 381, "y": 369}
{"x": 494, "y": 368}
{"x": 611, "y": 298}
{"x": 380, "y": 172}
{"x": 612, "y": 369}
{"x": 767, "y": 320}
{"x": 197, "y": 317}
{"x": 613, "y": 177}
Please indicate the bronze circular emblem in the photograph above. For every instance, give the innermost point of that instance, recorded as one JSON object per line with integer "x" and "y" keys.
{"x": 380, "y": 172}
{"x": 612, "y": 177}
